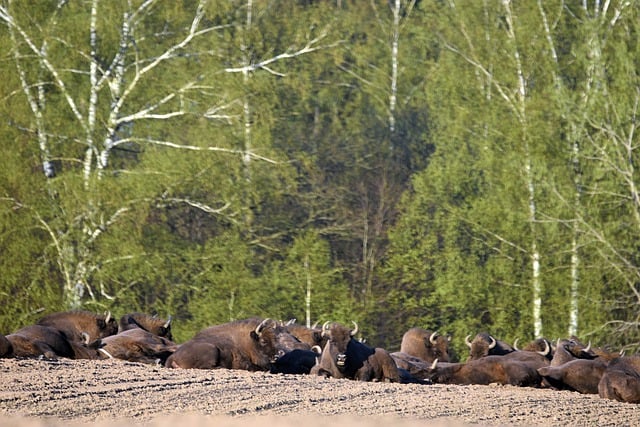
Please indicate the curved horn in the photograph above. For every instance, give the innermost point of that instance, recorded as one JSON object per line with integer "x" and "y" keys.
{"x": 106, "y": 320}
{"x": 588, "y": 349}
{"x": 515, "y": 344}
{"x": 325, "y": 328}
{"x": 493, "y": 343}
{"x": 547, "y": 349}
{"x": 434, "y": 364}
{"x": 166, "y": 325}
{"x": 467, "y": 342}
{"x": 85, "y": 338}
{"x": 316, "y": 349}
{"x": 290, "y": 322}
{"x": 433, "y": 338}
{"x": 355, "y": 330}
{"x": 261, "y": 326}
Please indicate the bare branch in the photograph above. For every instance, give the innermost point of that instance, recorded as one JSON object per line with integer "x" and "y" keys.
{"x": 196, "y": 148}
{"x": 308, "y": 48}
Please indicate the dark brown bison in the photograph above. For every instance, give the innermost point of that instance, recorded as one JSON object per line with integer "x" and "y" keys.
{"x": 570, "y": 349}
{"x": 539, "y": 345}
{"x": 485, "y": 344}
{"x": 311, "y": 336}
{"x": 50, "y": 343}
{"x": 74, "y": 324}
{"x": 426, "y": 345}
{"x": 138, "y": 345}
{"x": 581, "y": 375}
{"x": 621, "y": 380}
{"x": 250, "y": 344}
{"x": 296, "y": 361}
{"x": 533, "y": 359}
{"x": 153, "y": 324}
{"x": 486, "y": 370}
{"x": 6, "y": 349}
{"x": 345, "y": 357}
{"x": 415, "y": 366}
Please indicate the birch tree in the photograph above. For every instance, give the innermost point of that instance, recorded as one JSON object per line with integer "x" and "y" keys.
{"x": 136, "y": 85}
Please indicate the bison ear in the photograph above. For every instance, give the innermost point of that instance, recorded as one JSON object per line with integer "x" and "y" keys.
{"x": 101, "y": 323}
{"x": 254, "y": 336}
{"x": 317, "y": 336}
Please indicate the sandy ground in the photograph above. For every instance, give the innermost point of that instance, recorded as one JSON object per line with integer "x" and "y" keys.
{"x": 117, "y": 393}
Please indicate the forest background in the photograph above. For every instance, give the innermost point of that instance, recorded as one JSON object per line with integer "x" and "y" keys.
{"x": 461, "y": 166}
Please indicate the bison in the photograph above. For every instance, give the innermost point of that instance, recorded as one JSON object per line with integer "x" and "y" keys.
{"x": 153, "y": 324}
{"x": 312, "y": 336}
{"x": 426, "y": 345}
{"x": 486, "y": 370}
{"x": 581, "y": 375}
{"x": 6, "y": 349}
{"x": 296, "y": 361}
{"x": 539, "y": 345}
{"x": 345, "y": 357}
{"x": 534, "y": 358}
{"x": 50, "y": 343}
{"x": 486, "y": 345}
{"x": 415, "y": 366}
{"x": 138, "y": 345}
{"x": 76, "y": 323}
{"x": 571, "y": 349}
{"x": 621, "y": 380}
{"x": 249, "y": 344}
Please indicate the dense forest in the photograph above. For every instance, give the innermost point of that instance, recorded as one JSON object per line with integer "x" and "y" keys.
{"x": 462, "y": 166}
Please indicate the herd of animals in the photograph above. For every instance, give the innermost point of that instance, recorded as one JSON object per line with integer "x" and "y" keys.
{"x": 332, "y": 350}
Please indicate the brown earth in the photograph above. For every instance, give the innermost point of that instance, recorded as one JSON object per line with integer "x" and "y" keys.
{"x": 117, "y": 393}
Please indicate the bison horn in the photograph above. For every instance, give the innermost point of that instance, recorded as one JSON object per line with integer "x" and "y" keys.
{"x": 325, "y": 328}
{"x": 434, "y": 364}
{"x": 316, "y": 349}
{"x": 290, "y": 322}
{"x": 547, "y": 349}
{"x": 493, "y": 343}
{"x": 433, "y": 337}
{"x": 354, "y": 331}
{"x": 467, "y": 342}
{"x": 106, "y": 320}
{"x": 166, "y": 325}
{"x": 515, "y": 344}
{"x": 261, "y": 326}
{"x": 106, "y": 353}
{"x": 588, "y": 349}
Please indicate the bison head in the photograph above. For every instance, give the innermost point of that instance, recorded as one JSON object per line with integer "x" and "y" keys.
{"x": 107, "y": 324}
{"x": 339, "y": 337}
{"x": 426, "y": 345}
{"x": 266, "y": 338}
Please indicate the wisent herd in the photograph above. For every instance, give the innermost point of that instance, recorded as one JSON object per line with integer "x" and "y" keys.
{"x": 330, "y": 350}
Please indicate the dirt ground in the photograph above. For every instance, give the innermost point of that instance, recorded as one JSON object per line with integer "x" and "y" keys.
{"x": 36, "y": 393}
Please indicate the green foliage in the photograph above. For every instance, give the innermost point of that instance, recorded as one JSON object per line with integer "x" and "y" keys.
{"x": 227, "y": 193}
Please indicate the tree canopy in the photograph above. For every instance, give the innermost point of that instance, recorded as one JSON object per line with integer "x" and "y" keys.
{"x": 459, "y": 166}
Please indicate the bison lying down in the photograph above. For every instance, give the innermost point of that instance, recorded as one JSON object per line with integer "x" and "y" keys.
{"x": 250, "y": 344}
{"x": 486, "y": 370}
{"x": 48, "y": 342}
{"x": 138, "y": 345}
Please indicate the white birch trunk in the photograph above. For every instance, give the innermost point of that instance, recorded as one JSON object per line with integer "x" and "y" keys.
{"x": 520, "y": 105}
{"x": 307, "y": 299}
{"x": 395, "y": 39}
